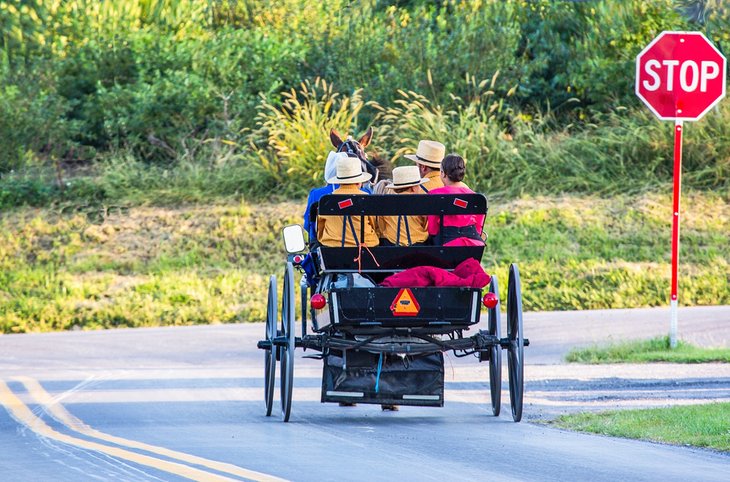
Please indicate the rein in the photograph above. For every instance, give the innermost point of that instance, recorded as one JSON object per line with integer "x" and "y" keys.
{"x": 359, "y": 256}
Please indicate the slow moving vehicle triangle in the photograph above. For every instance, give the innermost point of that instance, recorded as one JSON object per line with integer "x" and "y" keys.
{"x": 405, "y": 304}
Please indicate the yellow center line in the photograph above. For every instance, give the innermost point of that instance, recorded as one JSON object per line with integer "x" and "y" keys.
{"x": 60, "y": 413}
{"x": 24, "y": 415}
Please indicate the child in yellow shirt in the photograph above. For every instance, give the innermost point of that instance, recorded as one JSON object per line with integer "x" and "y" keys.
{"x": 404, "y": 230}
{"x": 329, "y": 228}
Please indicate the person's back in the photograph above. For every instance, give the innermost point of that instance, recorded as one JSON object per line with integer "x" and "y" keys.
{"x": 345, "y": 231}
{"x": 457, "y": 230}
{"x": 428, "y": 158}
{"x": 316, "y": 194}
{"x": 404, "y": 230}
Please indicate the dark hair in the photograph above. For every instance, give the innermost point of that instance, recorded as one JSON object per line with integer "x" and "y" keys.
{"x": 453, "y": 166}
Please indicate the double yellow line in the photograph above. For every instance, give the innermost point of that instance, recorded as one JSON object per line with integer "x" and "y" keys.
{"x": 24, "y": 415}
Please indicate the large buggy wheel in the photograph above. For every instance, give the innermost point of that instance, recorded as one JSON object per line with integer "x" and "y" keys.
{"x": 515, "y": 360}
{"x": 495, "y": 354}
{"x": 270, "y": 353}
{"x": 287, "y": 350}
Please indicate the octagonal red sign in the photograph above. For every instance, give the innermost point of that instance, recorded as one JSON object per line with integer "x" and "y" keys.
{"x": 680, "y": 75}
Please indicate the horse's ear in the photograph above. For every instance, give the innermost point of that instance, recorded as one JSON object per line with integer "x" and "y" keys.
{"x": 366, "y": 138}
{"x": 335, "y": 139}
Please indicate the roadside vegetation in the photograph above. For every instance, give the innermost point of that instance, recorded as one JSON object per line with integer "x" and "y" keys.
{"x": 150, "y": 151}
{"x": 168, "y": 101}
{"x": 654, "y": 350}
{"x": 689, "y": 425}
{"x": 84, "y": 267}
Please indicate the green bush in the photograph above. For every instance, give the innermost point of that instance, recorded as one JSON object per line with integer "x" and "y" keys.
{"x": 33, "y": 126}
{"x": 294, "y": 137}
{"x": 626, "y": 151}
{"x": 89, "y": 81}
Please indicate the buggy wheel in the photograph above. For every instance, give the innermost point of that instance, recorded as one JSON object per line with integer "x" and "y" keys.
{"x": 515, "y": 360}
{"x": 495, "y": 355}
{"x": 270, "y": 353}
{"x": 287, "y": 350}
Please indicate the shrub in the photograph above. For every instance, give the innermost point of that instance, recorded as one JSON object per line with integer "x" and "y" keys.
{"x": 293, "y": 138}
{"x": 163, "y": 80}
{"x": 33, "y": 126}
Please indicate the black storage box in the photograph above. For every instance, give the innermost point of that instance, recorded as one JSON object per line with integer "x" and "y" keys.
{"x": 364, "y": 377}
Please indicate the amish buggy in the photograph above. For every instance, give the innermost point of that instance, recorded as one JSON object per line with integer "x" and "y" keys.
{"x": 382, "y": 343}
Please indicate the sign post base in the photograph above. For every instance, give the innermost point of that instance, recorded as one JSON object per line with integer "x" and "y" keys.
{"x": 673, "y": 324}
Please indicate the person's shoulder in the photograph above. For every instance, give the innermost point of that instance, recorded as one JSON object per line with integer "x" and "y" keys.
{"x": 318, "y": 192}
{"x": 440, "y": 190}
{"x": 456, "y": 190}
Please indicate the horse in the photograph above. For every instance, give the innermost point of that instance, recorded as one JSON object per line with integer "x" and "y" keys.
{"x": 356, "y": 149}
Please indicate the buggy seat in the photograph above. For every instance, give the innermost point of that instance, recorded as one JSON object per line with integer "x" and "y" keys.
{"x": 372, "y": 309}
{"x": 397, "y": 258}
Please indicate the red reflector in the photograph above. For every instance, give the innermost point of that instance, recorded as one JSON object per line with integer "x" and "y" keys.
{"x": 318, "y": 301}
{"x": 490, "y": 300}
{"x": 460, "y": 203}
{"x": 298, "y": 259}
{"x": 345, "y": 204}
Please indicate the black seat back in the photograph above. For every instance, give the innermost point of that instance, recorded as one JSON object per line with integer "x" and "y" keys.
{"x": 405, "y": 204}
{"x": 395, "y": 258}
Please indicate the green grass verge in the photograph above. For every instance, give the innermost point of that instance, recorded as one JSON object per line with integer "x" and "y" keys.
{"x": 97, "y": 266}
{"x": 654, "y": 350}
{"x": 695, "y": 425}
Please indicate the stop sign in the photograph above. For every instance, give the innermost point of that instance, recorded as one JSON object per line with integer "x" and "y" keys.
{"x": 680, "y": 75}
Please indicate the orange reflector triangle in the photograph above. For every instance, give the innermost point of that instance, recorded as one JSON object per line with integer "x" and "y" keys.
{"x": 405, "y": 304}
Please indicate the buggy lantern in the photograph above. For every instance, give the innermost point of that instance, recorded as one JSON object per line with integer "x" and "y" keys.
{"x": 318, "y": 301}
{"x": 490, "y": 300}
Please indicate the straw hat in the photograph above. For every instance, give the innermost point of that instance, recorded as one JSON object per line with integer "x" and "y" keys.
{"x": 349, "y": 170}
{"x": 406, "y": 176}
{"x": 429, "y": 153}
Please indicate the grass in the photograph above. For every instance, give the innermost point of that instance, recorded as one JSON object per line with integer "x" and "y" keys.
{"x": 695, "y": 425}
{"x": 98, "y": 266}
{"x": 654, "y": 350}
{"x": 138, "y": 267}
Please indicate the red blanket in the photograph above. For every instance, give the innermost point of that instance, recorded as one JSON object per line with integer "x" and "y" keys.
{"x": 468, "y": 274}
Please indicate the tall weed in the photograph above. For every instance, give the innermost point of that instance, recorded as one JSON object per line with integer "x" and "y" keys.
{"x": 293, "y": 138}
{"x": 512, "y": 154}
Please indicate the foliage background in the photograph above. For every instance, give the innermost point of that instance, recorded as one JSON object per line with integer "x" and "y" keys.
{"x": 542, "y": 90}
{"x": 109, "y": 105}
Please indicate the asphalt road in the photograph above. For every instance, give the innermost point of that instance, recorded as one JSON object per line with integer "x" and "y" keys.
{"x": 186, "y": 402}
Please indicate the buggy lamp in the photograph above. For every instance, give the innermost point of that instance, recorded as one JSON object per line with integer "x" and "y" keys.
{"x": 490, "y": 300}
{"x": 318, "y": 301}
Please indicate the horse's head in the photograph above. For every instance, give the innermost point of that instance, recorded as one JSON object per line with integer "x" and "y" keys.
{"x": 356, "y": 149}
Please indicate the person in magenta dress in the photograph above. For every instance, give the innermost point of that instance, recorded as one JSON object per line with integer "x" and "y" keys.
{"x": 458, "y": 230}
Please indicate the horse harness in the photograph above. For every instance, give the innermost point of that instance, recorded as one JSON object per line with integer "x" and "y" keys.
{"x": 353, "y": 149}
